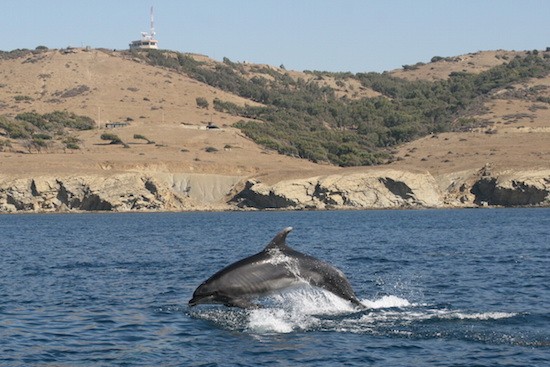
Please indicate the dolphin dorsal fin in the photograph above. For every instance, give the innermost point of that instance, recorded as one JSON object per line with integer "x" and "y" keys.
{"x": 279, "y": 241}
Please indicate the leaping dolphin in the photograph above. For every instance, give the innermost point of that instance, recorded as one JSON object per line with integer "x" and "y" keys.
{"x": 275, "y": 268}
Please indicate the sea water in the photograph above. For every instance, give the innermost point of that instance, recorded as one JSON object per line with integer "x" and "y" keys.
{"x": 442, "y": 288}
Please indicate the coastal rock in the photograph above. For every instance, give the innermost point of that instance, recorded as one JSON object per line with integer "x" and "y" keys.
{"x": 509, "y": 189}
{"x": 374, "y": 188}
{"x": 122, "y": 192}
{"x": 370, "y": 189}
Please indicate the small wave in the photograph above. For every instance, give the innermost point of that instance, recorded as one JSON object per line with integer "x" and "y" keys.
{"x": 232, "y": 319}
{"x": 478, "y": 316}
{"x": 311, "y": 301}
{"x": 306, "y": 308}
{"x": 299, "y": 308}
{"x": 274, "y": 321}
{"x": 386, "y": 302}
{"x": 303, "y": 308}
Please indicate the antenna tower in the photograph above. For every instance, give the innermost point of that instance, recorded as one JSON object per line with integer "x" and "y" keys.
{"x": 152, "y": 25}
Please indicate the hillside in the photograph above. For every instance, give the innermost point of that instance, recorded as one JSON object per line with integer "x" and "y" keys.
{"x": 441, "y": 67}
{"x": 348, "y": 126}
{"x": 167, "y": 101}
{"x": 109, "y": 87}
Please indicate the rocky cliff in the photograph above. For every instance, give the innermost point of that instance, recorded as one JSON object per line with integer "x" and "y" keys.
{"x": 371, "y": 189}
{"x": 122, "y": 192}
{"x": 392, "y": 189}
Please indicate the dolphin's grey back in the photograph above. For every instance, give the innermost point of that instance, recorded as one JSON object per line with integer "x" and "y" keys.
{"x": 252, "y": 275}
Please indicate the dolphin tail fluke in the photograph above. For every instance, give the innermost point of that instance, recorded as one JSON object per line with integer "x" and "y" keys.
{"x": 279, "y": 240}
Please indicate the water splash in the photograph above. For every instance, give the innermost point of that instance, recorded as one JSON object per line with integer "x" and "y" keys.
{"x": 306, "y": 308}
{"x": 297, "y": 309}
{"x": 386, "y": 302}
{"x": 478, "y": 316}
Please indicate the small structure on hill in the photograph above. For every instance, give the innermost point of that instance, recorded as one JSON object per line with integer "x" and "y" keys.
{"x": 148, "y": 40}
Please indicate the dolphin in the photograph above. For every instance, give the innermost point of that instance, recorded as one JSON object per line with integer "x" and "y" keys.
{"x": 275, "y": 268}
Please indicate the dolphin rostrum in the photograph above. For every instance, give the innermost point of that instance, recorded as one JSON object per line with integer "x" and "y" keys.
{"x": 275, "y": 268}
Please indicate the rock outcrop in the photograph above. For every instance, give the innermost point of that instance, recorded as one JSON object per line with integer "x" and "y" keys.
{"x": 122, "y": 192}
{"x": 392, "y": 189}
{"x": 510, "y": 189}
{"x": 369, "y": 189}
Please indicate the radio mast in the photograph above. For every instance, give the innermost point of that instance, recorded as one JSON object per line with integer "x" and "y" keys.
{"x": 152, "y": 31}
{"x": 148, "y": 40}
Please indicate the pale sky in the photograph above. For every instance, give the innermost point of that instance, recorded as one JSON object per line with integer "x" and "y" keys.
{"x": 331, "y": 35}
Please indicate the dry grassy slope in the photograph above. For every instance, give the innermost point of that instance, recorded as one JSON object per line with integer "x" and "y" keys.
{"x": 114, "y": 89}
{"x": 163, "y": 107}
{"x": 517, "y": 137}
{"x": 470, "y": 63}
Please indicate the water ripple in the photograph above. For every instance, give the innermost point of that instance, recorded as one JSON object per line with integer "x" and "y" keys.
{"x": 441, "y": 287}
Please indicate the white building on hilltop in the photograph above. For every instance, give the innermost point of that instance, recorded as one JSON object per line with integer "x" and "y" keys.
{"x": 148, "y": 40}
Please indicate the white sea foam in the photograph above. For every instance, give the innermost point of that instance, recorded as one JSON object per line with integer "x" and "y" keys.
{"x": 297, "y": 308}
{"x": 386, "y": 302}
{"x": 412, "y": 315}
{"x": 270, "y": 321}
{"x": 311, "y": 301}
{"x": 478, "y": 316}
{"x": 304, "y": 308}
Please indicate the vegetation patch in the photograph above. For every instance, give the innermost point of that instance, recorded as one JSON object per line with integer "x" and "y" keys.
{"x": 202, "y": 102}
{"x": 23, "y": 98}
{"x": 4, "y": 144}
{"x": 142, "y": 137}
{"x": 112, "y": 138}
{"x": 308, "y": 120}
{"x": 73, "y": 92}
{"x": 57, "y": 120}
{"x": 72, "y": 143}
{"x": 36, "y": 132}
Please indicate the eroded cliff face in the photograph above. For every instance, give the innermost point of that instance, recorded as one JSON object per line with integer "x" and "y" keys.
{"x": 371, "y": 189}
{"x": 392, "y": 189}
{"x": 513, "y": 189}
{"x": 376, "y": 189}
{"x": 122, "y": 192}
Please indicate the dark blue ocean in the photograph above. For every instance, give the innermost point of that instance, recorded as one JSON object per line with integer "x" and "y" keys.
{"x": 443, "y": 288}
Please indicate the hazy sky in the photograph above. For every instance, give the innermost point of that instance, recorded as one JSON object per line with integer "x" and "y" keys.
{"x": 333, "y": 35}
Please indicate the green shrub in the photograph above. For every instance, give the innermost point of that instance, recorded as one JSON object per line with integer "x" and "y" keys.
{"x": 72, "y": 142}
{"x": 72, "y": 146}
{"x": 202, "y": 102}
{"x": 23, "y": 98}
{"x": 142, "y": 137}
{"x": 40, "y": 142}
{"x": 71, "y": 120}
{"x": 4, "y": 144}
{"x": 42, "y": 136}
{"x": 36, "y": 144}
{"x": 113, "y": 138}
{"x": 57, "y": 120}
{"x": 15, "y": 129}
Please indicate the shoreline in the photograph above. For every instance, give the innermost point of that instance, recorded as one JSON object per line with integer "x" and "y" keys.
{"x": 272, "y": 210}
{"x": 383, "y": 188}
